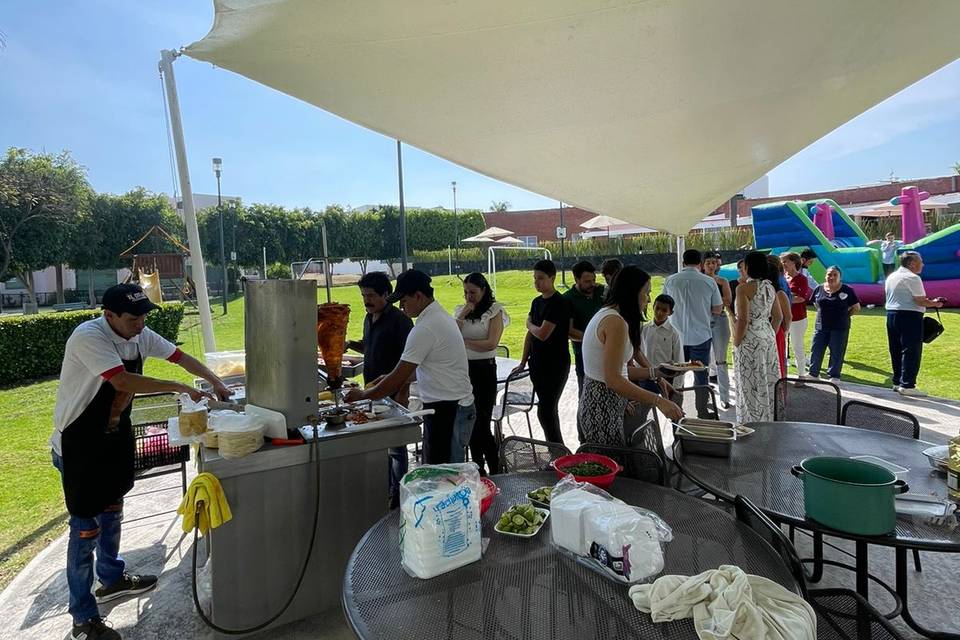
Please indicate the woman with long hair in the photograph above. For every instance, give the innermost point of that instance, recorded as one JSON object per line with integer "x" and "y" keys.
{"x": 755, "y": 363}
{"x": 482, "y": 320}
{"x": 775, "y": 277}
{"x": 609, "y": 342}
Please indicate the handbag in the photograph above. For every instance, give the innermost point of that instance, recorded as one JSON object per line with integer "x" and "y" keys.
{"x": 932, "y": 328}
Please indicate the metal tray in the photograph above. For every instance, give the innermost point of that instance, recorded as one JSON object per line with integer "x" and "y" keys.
{"x": 715, "y": 442}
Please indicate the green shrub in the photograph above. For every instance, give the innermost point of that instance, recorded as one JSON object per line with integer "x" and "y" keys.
{"x": 32, "y": 346}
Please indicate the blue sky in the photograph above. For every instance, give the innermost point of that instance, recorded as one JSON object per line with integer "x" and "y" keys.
{"x": 83, "y": 76}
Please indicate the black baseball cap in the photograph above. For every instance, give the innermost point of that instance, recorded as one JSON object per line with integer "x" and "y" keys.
{"x": 410, "y": 282}
{"x": 127, "y": 298}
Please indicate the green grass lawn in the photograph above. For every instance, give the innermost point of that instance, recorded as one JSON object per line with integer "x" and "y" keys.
{"x": 31, "y": 504}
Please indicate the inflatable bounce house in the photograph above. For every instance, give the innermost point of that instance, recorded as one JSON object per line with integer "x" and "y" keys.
{"x": 822, "y": 226}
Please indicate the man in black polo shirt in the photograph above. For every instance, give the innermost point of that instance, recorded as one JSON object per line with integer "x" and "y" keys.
{"x": 585, "y": 298}
{"x": 385, "y": 330}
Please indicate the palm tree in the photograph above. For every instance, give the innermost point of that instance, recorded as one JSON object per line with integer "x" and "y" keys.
{"x": 499, "y": 206}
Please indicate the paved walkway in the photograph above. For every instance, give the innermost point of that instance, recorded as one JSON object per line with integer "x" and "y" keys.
{"x": 34, "y": 604}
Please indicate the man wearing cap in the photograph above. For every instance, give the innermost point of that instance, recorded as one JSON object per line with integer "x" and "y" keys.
{"x": 93, "y": 447}
{"x": 435, "y": 350}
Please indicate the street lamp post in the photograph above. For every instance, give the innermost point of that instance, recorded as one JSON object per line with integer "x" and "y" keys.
{"x": 456, "y": 225}
{"x": 217, "y": 170}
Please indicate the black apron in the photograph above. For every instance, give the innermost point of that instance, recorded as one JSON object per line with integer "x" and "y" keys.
{"x": 98, "y": 450}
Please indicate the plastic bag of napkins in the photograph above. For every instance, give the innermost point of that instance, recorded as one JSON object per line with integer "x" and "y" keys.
{"x": 620, "y": 541}
{"x": 440, "y": 518}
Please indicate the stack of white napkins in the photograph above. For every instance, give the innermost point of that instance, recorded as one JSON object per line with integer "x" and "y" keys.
{"x": 728, "y": 603}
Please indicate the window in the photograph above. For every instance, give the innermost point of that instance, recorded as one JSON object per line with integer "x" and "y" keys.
{"x": 528, "y": 241}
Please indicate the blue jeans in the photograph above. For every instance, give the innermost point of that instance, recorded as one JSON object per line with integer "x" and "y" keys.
{"x": 905, "y": 340}
{"x": 86, "y": 534}
{"x": 836, "y": 339}
{"x": 700, "y": 352}
{"x": 462, "y": 430}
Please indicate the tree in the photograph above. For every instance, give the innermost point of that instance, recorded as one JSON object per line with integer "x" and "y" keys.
{"x": 113, "y": 223}
{"x": 498, "y": 206}
{"x": 956, "y": 167}
{"x": 42, "y": 196}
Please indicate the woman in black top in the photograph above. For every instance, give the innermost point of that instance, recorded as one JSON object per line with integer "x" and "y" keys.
{"x": 546, "y": 348}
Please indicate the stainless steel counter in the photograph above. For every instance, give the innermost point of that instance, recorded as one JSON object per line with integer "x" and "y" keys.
{"x": 257, "y": 556}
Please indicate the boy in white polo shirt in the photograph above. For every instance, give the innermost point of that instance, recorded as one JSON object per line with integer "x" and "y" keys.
{"x": 906, "y": 303}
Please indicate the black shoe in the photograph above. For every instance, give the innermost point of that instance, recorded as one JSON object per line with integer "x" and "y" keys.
{"x": 94, "y": 629}
{"x": 713, "y": 379}
{"x": 128, "y": 585}
{"x": 393, "y": 502}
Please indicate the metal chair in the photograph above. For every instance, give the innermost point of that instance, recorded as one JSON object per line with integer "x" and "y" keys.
{"x": 647, "y": 436}
{"x": 521, "y": 399}
{"x": 806, "y": 400}
{"x": 526, "y": 454}
{"x": 841, "y": 613}
{"x": 638, "y": 464}
{"x": 503, "y": 351}
{"x": 864, "y": 415}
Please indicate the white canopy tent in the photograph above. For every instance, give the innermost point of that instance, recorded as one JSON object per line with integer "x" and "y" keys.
{"x": 653, "y": 112}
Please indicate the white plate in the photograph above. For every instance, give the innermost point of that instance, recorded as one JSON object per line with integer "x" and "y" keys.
{"x": 543, "y": 512}
{"x": 880, "y": 462}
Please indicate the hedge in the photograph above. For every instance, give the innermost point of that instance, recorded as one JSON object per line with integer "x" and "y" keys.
{"x": 32, "y": 346}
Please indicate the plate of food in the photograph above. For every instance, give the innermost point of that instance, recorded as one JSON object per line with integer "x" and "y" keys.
{"x": 522, "y": 521}
{"x": 682, "y": 367}
{"x": 540, "y": 497}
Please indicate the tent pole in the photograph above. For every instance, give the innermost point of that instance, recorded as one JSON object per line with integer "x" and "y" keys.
{"x": 198, "y": 270}
{"x": 403, "y": 212}
{"x": 681, "y": 247}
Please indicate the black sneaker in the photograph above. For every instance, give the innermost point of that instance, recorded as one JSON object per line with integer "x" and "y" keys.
{"x": 94, "y": 629}
{"x": 128, "y": 585}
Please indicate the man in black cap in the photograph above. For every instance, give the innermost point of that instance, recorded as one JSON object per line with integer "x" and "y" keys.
{"x": 93, "y": 447}
{"x": 435, "y": 350}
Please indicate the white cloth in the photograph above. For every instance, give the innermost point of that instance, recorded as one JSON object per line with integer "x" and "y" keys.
{"x": 593, "y": 348}
{"x": 901, "y": 286}
{"x": 661, "y": 343}
{"x": 92, "y": 356}
{"x": 480, "y": 329}
{"x": 694, "y": 295}
{"x": 436, "y": 347}
{"x": 728, "y": 603}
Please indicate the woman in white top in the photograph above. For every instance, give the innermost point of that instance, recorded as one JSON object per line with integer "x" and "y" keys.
{"x": 481, "y": 321}
{"x": 609, "y": 343}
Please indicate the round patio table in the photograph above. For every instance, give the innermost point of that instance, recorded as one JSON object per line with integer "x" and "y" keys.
{"x": 504, "y": 368}
{"x": 527, "y": 589}
{"x": 759, "y": 469}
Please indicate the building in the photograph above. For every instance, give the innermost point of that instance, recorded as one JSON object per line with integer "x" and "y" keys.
{"x": 538, "y": 225}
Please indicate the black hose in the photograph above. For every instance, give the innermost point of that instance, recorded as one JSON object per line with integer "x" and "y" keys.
{"x": 303, "y": 571}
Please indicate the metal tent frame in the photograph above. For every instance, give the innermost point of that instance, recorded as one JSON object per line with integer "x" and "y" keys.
{"x": 492, "y": 260}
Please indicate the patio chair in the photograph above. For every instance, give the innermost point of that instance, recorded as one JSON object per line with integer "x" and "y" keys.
{"x": 503, "y": 351}
{"x": 864, "y": 415}
{"x": 806, "y": 400}
{"x": 841, "y": 613}
{"x": 638, "y": 464}
{"x": 517, "y": 396}
{"x": 526, "y": 454}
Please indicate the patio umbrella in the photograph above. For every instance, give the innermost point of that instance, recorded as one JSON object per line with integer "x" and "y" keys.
{"x": 493, "y": 232}
{"x": 479, "y": 239}
{"x": 603, "y": 222}
{"x": 508, "y": 240}
{"x": 667, "y": 121}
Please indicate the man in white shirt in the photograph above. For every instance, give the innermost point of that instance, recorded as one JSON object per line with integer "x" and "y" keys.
{"x": 93, "y": 446}
{"x": 888, "y": 253}
{"x": 435, "y": 351}
{"x": 697, "y": 299}
{"x": 906, "y": 303}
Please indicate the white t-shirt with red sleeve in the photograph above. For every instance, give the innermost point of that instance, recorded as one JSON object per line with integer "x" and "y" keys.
{"x": 93, "y": 355}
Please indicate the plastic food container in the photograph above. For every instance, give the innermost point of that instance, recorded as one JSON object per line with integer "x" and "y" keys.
{"x": 544, "y": 513}
{"x": 227, "y": 363}
{"x": 603, "y": 481}
{"x": 492, "y": 491}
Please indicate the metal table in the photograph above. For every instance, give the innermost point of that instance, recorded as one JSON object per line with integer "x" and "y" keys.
{"x": 759, "y": 468}
{"x": 526, "y": 589}
{"x": 504, "y": 367}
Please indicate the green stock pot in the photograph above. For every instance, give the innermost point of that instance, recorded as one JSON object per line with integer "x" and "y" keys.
{"x": 849, "y": 495}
